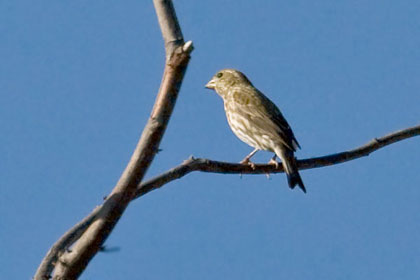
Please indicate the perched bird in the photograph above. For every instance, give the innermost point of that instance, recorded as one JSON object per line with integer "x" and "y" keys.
{"x": 257, "y": 121}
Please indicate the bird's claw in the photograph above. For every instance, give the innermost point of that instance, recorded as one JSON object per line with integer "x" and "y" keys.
{"x": 246, "y": 161}
{"x": 274, "y": 162}
{"x": 253, "y": 166}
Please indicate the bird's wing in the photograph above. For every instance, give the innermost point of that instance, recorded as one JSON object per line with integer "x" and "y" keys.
{"x": 277, "y": 117}
{"x": 252, "y": 102}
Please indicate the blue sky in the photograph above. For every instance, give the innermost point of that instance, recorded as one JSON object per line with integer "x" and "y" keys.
{"x": 77, "y": 83}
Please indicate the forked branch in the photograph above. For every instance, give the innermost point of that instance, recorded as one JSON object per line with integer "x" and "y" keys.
{"x": 211, "y": 166}
{"x": 87, "y": 237}
{"x": 91, "y": 233}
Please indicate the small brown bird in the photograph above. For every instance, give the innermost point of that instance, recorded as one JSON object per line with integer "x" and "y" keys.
{"x": 257, "y": 121}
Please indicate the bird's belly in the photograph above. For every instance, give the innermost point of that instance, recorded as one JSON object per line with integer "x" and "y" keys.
{"x": 252, "y": 135}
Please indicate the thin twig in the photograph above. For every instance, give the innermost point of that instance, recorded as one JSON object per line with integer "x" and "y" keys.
{"x": 206, "y": 165}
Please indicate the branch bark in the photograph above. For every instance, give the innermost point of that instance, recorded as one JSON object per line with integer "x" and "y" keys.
{"x": 71, "y": 263}
{"x": 206, "y": 165}
{"x": 62, "y": 244}
{"x": 211, "y": 166}
{"x": 88, "y": 236}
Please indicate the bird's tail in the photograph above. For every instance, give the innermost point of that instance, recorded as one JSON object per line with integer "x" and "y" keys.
{"x": 290, "y": 168}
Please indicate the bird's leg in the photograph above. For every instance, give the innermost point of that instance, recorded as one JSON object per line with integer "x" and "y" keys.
{"x": 248, "y": 157}
{"x": 246, "y": 160}
{"x": 273, "y": 161}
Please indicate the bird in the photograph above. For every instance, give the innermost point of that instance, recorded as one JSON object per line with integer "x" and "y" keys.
{"x": 257, "y": 121}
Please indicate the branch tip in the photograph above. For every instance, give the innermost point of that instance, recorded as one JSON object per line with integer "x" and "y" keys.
{"x": 188, "y": 47}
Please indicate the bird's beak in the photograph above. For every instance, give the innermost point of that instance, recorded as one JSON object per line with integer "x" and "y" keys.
{"x": 211, "y": 84}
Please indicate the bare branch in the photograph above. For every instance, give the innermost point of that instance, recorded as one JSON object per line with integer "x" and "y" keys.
{"x": 206, "y": 165}
{"x": 168, "y": 22}
{"x": 87, "y": 237}
{"x": 47, "y": 265}
{"x": 71, "y": 264}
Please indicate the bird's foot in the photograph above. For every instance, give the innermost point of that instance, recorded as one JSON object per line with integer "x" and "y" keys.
{"x": 246, "y": 161}
{"x": 274, "y": 162}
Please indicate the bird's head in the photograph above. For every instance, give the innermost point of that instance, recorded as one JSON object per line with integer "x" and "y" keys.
{"x": 226, "y": 78}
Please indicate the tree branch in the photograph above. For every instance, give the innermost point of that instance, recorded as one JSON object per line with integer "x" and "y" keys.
{"x": 87, "y": 236}
{"x": 72, "y": 263}
{"x": 168, "y": 22}
{"x": 206, "y": 165}
{"x": 62, "y": 244}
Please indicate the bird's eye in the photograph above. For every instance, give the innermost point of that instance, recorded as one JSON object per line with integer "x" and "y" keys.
{"x": 219, "y": 75}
